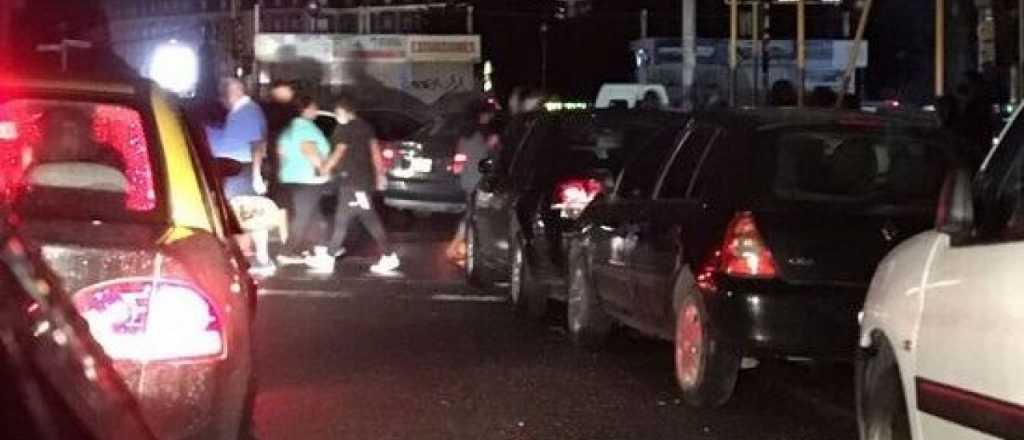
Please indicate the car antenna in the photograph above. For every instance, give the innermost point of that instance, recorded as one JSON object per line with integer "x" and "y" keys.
{"x": 63, "y": 48}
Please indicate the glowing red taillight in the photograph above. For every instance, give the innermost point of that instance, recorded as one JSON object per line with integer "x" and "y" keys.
{"x": 146, "y": 319}
{"x": 574, "y": 195}
{"x": 459, "y": 163}
{"x": 577, "y": 192}
{"x": 744, "y": 253}
{"x": 388, "y": 155}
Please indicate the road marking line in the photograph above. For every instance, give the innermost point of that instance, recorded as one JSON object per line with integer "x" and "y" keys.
{"x": 306, "y": 293}
{"x": 312, "y": 293}
{"x": 469, "y": 298}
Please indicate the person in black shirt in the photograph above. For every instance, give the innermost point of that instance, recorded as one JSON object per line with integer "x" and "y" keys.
{"x": 357, "y": 169}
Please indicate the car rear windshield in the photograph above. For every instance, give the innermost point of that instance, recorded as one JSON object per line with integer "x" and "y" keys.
{"x": 858, "y": 165}
{"x": 76, "y": 160}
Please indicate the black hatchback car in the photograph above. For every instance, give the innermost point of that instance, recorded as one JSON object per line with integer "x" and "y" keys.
{"x": 519, "y": 216}
{"x": 752, "y": 233}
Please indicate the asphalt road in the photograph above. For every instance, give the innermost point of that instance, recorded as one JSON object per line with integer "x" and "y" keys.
{"x": 423, "y": 356}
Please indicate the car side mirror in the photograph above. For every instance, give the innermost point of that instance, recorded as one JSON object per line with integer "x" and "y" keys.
{"x": 228, "y": 167}
{"x": 955, "y": 212}
{"x": 486, "y": 166}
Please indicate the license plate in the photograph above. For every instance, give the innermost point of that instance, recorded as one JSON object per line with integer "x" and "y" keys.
{"x": 420, "y": 165}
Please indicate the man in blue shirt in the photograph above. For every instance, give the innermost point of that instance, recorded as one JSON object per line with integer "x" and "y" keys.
{"x": 243, "y": 138}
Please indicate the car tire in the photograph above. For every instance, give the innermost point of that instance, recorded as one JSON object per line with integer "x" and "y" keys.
{"x": 706, "y": 370}
{"x": 476, "y": 273}
{"x": 881, "y": 403}
{"x": 528, "y": 298}
{"x": 588, "y": 323}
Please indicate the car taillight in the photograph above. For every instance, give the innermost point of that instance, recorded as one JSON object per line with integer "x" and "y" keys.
{"x": 743, "y": 254}
{"x": 151, "y": 319}
{"x": 572, "y": 196}
{"x": 388, "y": 154}
{"x": 459, "y": 163}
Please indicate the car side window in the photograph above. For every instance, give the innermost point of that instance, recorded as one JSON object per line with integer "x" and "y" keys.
{"x": 683, "y": 172}
{"x": 999, "y": 190}
{"x": 711, "y": 174}
{"x": 641, "y": 175}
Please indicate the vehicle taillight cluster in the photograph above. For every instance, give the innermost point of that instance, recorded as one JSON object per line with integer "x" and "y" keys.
{"x": 459, "y": 163}
{"x": 572, "y": 196}
{"x": 743, "y": 254}
{"x": 388, "y": 154}
{"x": 152, "y": 319}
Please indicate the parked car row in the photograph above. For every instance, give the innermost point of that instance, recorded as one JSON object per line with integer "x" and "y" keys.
{"x": 116, "y": 191}
{"x": 753, "y": 233}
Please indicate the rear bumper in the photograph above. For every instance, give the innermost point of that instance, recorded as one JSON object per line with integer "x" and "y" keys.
{"x": 202, "y": 400}
{"x": 428, "y": 196}
{"x": 817, "y": 322}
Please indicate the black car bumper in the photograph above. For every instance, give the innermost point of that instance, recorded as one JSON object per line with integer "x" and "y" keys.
{"x": 425, "y": 195}
{"x": 777, "y": 319}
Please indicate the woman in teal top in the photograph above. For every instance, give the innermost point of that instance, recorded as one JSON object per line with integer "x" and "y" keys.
{"x": 302, "y": 148}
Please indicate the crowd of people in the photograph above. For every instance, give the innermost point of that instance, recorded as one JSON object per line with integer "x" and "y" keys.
{"x": 285, "y": 156}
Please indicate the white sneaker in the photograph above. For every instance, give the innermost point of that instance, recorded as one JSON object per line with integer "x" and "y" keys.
{"x": 290, "y": 260}
{"x": 387, "y": 265}
{"x": 263, "y": 270}
{"x": 321, "y": 264}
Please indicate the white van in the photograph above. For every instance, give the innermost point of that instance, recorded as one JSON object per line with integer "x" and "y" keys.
{"x": 629, "y": 95}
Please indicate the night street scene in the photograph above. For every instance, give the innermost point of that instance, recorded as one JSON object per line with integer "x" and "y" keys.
{"x": 512, "y": 219}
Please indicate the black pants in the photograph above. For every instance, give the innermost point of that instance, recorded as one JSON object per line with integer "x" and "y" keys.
{"x": 304, "y": 228}
{"x": 348, "y": 210}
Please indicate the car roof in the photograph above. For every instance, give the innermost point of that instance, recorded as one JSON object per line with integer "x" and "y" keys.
{"x": 767, "y": 118}
{"x": 58, "y": 84}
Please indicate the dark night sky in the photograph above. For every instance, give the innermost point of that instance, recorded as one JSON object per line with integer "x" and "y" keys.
{"x": 585, "y": 52}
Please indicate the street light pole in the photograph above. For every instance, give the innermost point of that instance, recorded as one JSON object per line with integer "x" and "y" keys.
{"x": 544, "y": 56}
{"x": 734, "y": 31}
{"x": 940, "y": 48}
{"x": 801, "y": 51}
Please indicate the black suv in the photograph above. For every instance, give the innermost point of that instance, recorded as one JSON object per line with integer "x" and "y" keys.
{"x": 553, "y": 165}
{"x": 752, "y": 233}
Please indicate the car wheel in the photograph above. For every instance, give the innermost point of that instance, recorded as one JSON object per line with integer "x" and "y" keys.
{"x": 527, "y": 297}
{"x": 706, "y": 370}
{"x": 588, "y": 323}
{"x": 476, "y": 273}
{"x": 881, "y": 403}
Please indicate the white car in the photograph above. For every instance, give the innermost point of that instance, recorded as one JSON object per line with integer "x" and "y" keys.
{"x": 942, "y": 331}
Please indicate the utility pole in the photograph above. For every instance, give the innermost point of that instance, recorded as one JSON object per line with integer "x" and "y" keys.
{"x": 755, "y": 35}
{"x": 858, "y": 40}
{"x": 689, "y": 62}
{"x": 734, "y": 31}
{"x": 801, "y": 50}
{"x": 469, "y": 19}
{"x": 643, "y": 23}
{"x": 940, "y": 48}
{"x": 544, "y": 56}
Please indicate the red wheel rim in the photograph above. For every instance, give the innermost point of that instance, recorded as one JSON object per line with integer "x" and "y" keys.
{"x": 689, "y": 345}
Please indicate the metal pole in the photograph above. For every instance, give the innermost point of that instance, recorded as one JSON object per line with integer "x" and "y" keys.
{"x": 689, "y": 34}
{"x": 643, "y": 23}
{"x": 940, "y": 47}
{"x": 756, "y": 37}
{"x": 858, "y": 41}
{"x": 734, "y": 30}
{"x": 544, "y": 56}
{"x": 1020, "y": 50}
{"x": 469, "y": 19}
{"x": 256, "y": 10}
{"x": 801, "y": 50}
